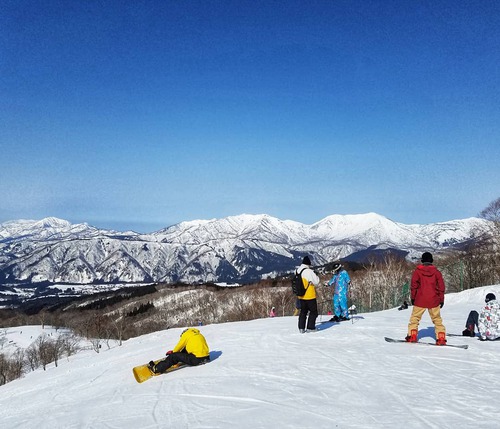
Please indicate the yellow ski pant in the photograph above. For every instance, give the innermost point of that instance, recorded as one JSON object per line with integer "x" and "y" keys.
{"x": 434, "y": 313}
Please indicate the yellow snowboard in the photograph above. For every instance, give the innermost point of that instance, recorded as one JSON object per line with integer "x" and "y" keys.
{"x": 143, "y": 373}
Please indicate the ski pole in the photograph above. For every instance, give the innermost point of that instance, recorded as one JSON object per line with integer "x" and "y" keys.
{"x": 350, "y": 300}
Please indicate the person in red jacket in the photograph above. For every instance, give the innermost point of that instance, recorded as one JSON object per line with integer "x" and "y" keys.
{"x": 427, "y": 293}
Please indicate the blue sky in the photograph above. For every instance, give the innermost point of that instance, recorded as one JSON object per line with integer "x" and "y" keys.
{"x": 142, "y": 114}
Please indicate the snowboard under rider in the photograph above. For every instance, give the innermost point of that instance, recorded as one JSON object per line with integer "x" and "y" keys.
{"x": 192, "y": 349}
{"x": 487, "y": 322}
{"x": 427, "y": 293}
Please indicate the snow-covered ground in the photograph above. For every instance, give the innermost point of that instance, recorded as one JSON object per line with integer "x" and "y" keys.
{"x": 264, "y": 374}
{"x": 23, "y": 336}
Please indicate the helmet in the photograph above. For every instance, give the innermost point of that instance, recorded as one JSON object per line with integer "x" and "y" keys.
{"x": 490, "y": 297}
{"x": 336, "y": 266}
{"x": 427, "y": 257}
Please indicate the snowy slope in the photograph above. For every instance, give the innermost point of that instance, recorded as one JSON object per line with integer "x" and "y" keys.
{"x": 264, "y": 374}
{"x": 23, "y": 336}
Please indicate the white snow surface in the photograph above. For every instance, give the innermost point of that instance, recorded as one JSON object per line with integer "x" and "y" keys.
{"x": 264, "y": 374}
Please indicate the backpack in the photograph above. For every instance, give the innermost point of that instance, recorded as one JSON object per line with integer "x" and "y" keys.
{"x": 298, "y": 285}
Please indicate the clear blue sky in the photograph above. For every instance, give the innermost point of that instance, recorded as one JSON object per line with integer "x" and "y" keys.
{"x": 142, "y": 114}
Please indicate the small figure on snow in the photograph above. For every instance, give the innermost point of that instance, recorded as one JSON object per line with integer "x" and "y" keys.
{"x": 353, "y": 310}
{"x": 308, "y": 302}
{"x": 487, "y": 322}
{"x": 340, "y": 284}
{"x": 192, "y": 349}
{"x": 404, "y": 306}
{"x": 272, "y": 313}
{"x": 427, "y": 293}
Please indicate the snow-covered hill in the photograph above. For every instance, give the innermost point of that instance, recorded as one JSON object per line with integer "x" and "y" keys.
{"x": 241, "y": 248}
{"x": 264, "y": 374}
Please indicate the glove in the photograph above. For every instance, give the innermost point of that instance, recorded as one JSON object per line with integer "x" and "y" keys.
{"x": 441, "y": 305}
{"x": 412, "y": 302}
{"x": 169, "y": 352}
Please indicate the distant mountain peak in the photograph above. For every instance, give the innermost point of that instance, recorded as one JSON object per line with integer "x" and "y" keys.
{"x": 52, "y": 222}
{"x": 241, "y": 248}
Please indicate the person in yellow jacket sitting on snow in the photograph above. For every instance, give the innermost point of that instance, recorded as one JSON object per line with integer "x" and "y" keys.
{"x": 192, "y": 349}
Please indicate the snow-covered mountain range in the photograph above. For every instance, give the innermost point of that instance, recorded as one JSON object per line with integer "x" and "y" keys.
{"x": 240, "y": 248}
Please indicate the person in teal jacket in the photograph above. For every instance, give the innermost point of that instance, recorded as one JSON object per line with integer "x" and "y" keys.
{"x": 340, "y": 284}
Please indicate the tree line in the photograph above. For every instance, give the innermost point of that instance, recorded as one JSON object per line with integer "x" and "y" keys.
{"x": 43, "y": 351}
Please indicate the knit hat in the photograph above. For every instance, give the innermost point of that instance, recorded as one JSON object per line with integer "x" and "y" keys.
{"x": 306, "y": 260}
{"x": 490, "y": 297}
{"x": 427, "y": 257}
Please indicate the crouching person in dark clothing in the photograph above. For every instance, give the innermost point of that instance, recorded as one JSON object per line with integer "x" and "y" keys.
{"x": 192, "y": 349}
{"x": 487, "y": 322}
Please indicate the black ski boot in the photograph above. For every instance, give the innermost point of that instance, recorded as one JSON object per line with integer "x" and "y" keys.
{"x": 152, "y": 367}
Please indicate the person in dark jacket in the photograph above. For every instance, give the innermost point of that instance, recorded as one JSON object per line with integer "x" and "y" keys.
{"x": 427, "y": 293}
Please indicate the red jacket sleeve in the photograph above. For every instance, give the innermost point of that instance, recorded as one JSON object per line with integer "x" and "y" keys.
{"x": 415, "y": 284}
{"x": 441, "y": 287}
